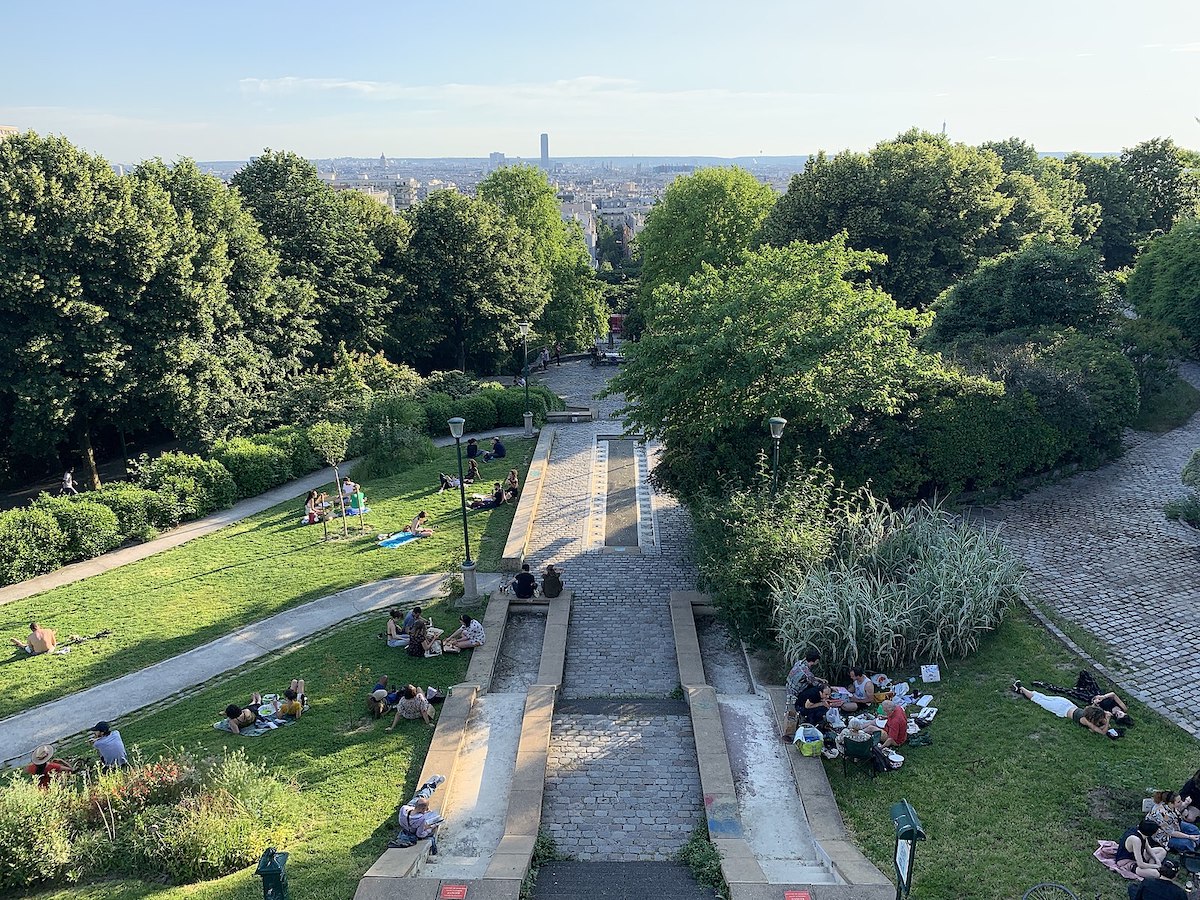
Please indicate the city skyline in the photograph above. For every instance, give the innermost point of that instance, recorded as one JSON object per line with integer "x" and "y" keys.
{"x": 668, "y": 79}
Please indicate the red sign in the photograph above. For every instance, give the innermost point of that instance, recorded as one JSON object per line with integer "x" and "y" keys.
{"x": 459, "y": 892}
{"x": 796, "y": 895}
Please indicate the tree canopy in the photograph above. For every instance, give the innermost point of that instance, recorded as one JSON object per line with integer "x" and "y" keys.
{"x": 1165, "y": 284}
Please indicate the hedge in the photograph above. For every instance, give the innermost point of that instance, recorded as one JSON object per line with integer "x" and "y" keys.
{"x": 255, "y": 467}
{"x": 89, "y": 528}
{"x": 199, "y": 486}
{"x": 478, "y": 410}
{"x": 31, "y": 543}
{"x": 137, "y": 508}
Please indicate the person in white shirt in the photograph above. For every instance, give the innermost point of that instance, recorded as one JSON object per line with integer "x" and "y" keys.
{"x": 417, "y": 820}
{"x": 469, "y": 634}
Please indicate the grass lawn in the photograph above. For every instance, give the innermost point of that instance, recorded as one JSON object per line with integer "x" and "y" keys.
{"x": 352, "y": 780}
{"x": 1168, "y": 410}
{"x": 1009, "y": 794}
{"x": 177, "y": 600}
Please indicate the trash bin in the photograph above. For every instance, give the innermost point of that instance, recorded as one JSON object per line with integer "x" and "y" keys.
{"x": 272, "y": 869}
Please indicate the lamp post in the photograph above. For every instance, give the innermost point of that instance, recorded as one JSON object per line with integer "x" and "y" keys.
{"x": 470, "y": 589}
{"x": 525, "y": 326}
{"x": 777, "y": 423}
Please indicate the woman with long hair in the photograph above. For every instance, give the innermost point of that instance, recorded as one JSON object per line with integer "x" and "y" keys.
{"x": 1093, "y": 718}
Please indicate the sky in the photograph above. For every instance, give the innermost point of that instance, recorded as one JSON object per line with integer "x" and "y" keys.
{"x": 408, "y": 78}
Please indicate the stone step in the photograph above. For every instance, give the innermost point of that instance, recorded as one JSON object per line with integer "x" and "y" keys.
{"x": 572, "y": 880}
{"x": 791, "y": 872}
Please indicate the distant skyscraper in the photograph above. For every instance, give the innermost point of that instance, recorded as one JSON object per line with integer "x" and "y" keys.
{"x": 545, "y": 150}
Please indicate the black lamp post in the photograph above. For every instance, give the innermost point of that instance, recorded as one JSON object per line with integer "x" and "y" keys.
{"x": 525, "y": 326}
{"x": 456, "y": 431}
{"x": 777, "y": 423}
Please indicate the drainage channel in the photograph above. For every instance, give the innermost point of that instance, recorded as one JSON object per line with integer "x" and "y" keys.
{"x": 622, "y": 509}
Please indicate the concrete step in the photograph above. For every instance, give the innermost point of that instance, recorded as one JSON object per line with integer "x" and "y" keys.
{"x": 617, "y": 881}
{"x": 789, "y": 871}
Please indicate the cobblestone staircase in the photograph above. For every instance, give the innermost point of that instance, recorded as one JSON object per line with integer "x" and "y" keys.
{"x": 617, "y": 881}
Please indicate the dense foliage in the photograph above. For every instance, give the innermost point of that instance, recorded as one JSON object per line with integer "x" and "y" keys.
{"x": 1165, "y": 284}
{"x": 177, "y": 820}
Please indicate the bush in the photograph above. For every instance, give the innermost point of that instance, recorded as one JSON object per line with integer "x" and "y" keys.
{"x": 33, "y": 833}
{"x": 1154, "y": 350}
{"x": 137, "y": 508}
{"x": 479, "y": 410}
{"x": 456, "y": 384}
{"x": 294, "y": 442}
{"x": 389, "y": 448}
{"x": 1191, "y": 471}
{"x": 255, "y": 468}
{"x": 196, "y": 486}
{"x": 31, "y": 543}
{"x": 510, "y": 407}
{"x": 1185, "y": 509}
{"x": 90, "y": 528}
{"x": 902, "y": 586}
{"x": 550, "y": 400}
{"x": 1165, "y": 284}
{"x": 438, "y": 410}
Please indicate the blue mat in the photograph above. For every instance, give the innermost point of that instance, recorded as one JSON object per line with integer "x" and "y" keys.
{"x": 397, "y": 540}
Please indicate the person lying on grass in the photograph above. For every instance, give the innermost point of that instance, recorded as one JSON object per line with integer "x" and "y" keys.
{"x": 40, "y": 640}
{"x": 448, "y": 482}
{"x": 468, "y": 636}
{"x": 1093, "y": 718}
{"x": 412, "y": 705}
{"x": 239, "y": 717}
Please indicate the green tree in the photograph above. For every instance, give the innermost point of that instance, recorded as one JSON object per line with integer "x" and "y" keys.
{"x": 934, "y": 208}
{"x": 322, "y": 242}
{"x": 1165, "y": 284}
{"x": 79, "y": 249}
{"x": 1124, "y": 216}
{"x": 574, "y": 312}
{"x": 711, "y": 216}
{"x": 241, "y": 329}
{"x": 1170, "y": 188}
{"x": 475, "y": 278}
{"x": 1042, "y": 284}
{"x": 609, "y": 247}
{"x": 791, "y": 331}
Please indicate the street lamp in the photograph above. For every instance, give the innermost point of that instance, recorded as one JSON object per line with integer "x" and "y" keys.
{"x": 525, "y": 326}
{"x": 470, "y": 590}
{"x": 777, "y": 423}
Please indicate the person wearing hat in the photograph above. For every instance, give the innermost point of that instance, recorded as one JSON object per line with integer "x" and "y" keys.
{"x": 109, "y": 745}
{"x": 45, "y": 766}
{"x": 1162, "y": 887}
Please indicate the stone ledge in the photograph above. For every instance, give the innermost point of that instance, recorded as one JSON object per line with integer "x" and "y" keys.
{"x": 517, "y": 544}
{"x": 483, "y": 659}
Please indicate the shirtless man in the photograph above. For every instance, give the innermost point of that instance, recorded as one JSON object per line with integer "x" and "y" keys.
{"x": 40, "y": 640}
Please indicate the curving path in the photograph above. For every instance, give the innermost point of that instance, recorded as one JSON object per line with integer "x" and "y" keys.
{"x": 1102, "y": 556}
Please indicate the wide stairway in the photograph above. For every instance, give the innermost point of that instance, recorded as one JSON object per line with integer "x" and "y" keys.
{"x": 573, "y": 880}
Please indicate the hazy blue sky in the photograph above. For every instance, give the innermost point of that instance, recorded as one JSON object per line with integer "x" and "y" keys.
{"x": 221, "y": 80}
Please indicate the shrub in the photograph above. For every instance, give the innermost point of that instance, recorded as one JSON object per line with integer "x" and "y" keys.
{"x": 438, "y": 410}
{"x": 294, "y": 442}
{"x": 902, "y": 586}
{"x": 1191, "y": 471}
{"x": 456, "y": 384}
{"x": 31, "y": 543}
{"x": 550, "y": 400}
{"x": 1154, "y": 350}
{"x": 255, "y": 467}
{"x": 33, "y": 833}
{"x": 1105, "y": 387}
{"x": 389, "y": 448}
{"x": 479, "y": 411}
{"x": 1185, "y": 509}
{"x": 510, "y": 407}
{"x": 136, "y": 507}
{"x": 1165, "y": 284}
{"x": 196, "y": 486}
{"x": 90, "y": 528}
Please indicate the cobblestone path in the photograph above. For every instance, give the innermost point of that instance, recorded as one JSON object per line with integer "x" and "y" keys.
{"x": 622, "y": 782}
{"x": 1103, "y": 556}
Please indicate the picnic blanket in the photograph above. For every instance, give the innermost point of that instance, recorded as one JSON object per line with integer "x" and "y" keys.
{"x": 391, "y": 541}
{"x": 257, "y": 729}
{"x": 1106, "y": 854}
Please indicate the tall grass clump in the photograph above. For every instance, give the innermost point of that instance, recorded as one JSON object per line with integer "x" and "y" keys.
{"x": 906, "y": 585}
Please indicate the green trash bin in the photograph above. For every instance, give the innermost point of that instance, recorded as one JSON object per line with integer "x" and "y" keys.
{"x": 272, "y": 869}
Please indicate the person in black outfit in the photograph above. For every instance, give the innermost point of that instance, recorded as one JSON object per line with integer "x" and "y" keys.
{"x": 813, "y": 704}
{"x": 497, "y": 451}
{"x": 472, "y": 448}
{"x": 1161, "y": 888}
{"x": 1191, "y": 790}
{"x": 524, "y": 585}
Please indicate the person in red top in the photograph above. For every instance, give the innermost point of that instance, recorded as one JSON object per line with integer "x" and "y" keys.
{"x": 895, "y": 732}
{"x": 45, "y": 766}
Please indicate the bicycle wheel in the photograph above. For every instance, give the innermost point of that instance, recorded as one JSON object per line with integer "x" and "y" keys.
{"x": 1048, "y": 891}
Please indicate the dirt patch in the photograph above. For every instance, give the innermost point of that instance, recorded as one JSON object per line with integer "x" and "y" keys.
{"x": 1109, "y": 804}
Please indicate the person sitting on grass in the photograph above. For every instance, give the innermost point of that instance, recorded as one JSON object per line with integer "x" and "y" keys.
{"x": 862, "y": 691}
{"x": 813, "y": 704}
{"x": 524, "y": 585}
{"x": 1173, "y": 833}
{"x": 420, "y": 641}
{"x": 478, "y": 501}
{"x": 312, "y": 513}
{"x": 468, "y": 636}
{"x": 358, "y": 503}
{"x": 552, "y": 585}
{"x": 801, "y": 676}
{"x": 498, "y": 451}
{"x": 473, "y": 472}
{"x": 412, "y": 704}
{"x": 1138, "y": 853}
{"x": 448, "y": 482}
{"x": 45, "y": 767}
{"x": 417, "y": 526}
{"x": 472, "y": 448}
{"x": 239, "y": 717}
{"x": 512, "y": 486}
{"x": 1161, "y": 886}
{"x": 40, "y": 640}
{"x": 109, "y": 745}
{"x": 294, "y": 699}
{"x": 1191, "y": 793}
{"x": 1093, "y": 718}
{"x": 395, "y": 634}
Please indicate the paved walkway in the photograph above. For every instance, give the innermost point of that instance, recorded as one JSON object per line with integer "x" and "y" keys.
{"x": 189, "y": 531}
{"x": 52, "y": 722}
{"x": 1102, "y": 555}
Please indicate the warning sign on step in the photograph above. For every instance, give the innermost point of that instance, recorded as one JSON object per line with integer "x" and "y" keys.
{"x": 459, "y": 892}
{"x": 797, "y": 895}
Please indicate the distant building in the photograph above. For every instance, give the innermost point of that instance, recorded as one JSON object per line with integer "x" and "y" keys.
{"x": 12, "y": 130}
{"x": 495, "y": 160}
{"x": 583, "y": 212}
{"x": 545, "y": 150}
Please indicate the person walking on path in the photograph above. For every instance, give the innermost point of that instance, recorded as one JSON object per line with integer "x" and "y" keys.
{"x": 558, "y": 354}
{"x": 68, "y": 483}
